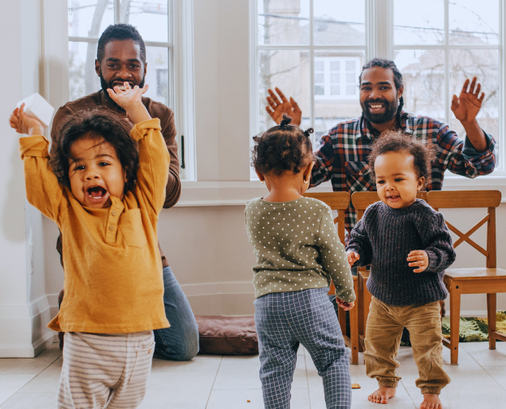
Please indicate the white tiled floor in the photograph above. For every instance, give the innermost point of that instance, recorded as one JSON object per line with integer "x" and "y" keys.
{"x": 216, "y": 382}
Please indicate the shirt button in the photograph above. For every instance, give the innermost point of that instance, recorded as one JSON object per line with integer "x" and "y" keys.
{"x": 114, "y": 213}
{"x": 111, "y": 227}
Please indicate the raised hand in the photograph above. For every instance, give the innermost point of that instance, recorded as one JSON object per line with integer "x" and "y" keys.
{"x": 419, "y": 259}
{"x": 25, "y": 124}
{"x": 468, "y": 104}
{"x": 279, "y": 106}
{"x": 130, "y": 99}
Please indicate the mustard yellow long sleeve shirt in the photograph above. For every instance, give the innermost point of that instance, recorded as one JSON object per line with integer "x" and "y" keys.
{"x": 113, "y": 271}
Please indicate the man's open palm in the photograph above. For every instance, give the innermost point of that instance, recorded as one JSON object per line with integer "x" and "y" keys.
{"x": 468, "y": 104}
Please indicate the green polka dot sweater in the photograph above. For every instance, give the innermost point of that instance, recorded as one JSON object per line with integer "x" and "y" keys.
{"x": 297, "y": 247}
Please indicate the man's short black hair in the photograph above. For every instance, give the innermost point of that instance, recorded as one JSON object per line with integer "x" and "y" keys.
{"x": 382, "y": 63}
{"x": 120, "y": 32}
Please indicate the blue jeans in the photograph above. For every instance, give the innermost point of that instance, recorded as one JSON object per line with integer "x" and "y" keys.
{"x": 180, "y": 342}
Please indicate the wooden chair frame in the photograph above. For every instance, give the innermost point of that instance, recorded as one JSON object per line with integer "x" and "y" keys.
{"x": 340, "y": 201}
{"x": 489, "y": 279}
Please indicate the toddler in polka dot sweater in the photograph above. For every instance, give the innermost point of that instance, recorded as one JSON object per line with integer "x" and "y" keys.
{"x": 298, "y": 254}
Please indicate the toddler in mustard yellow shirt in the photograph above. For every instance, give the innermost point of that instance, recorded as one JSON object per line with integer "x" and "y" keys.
{"x": 105, "y": 195}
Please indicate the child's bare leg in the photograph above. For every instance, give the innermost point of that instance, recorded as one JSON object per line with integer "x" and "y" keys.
{"x": 383, "y": 394}
{"x": 431, "y": 401}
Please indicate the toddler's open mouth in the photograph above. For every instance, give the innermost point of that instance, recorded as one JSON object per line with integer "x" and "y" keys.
{"x": 96, "y": 192}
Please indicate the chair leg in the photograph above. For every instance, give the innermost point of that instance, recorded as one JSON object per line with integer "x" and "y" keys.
{"x": 354, "y": 335}
{"x": 454, "y": 327}
{"x": 354, "y": 327}
{"x": 341, "y": 315}
{"x": 491, "y": 315}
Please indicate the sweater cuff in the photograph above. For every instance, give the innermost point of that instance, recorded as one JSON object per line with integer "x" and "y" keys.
{"x": 433, "y": 261}
{"x": 139, "y": 130}
{"x": 33, "y": 146}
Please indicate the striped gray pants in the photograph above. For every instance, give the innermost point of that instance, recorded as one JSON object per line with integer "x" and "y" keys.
{"x": 307, "y": 317}
{"x": 105, "y": 370}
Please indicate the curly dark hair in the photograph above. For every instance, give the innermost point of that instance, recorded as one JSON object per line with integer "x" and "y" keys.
{"x": 282, "y": 148}
{"x": 397, "y": 141}
{"x": 103, "y": 126}
{"x": 120, "y": 32}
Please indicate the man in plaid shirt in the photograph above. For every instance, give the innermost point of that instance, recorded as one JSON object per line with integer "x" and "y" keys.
{"x": 343, "y": 156}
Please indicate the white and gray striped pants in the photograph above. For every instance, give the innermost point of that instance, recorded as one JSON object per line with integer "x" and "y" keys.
{"x": 105, "y": 370}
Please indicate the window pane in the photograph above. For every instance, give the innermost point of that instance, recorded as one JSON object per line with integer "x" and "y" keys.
{"x": 82, "y": 77}
{"x": 424, "y": 82}
{"x": 318, "y": 90}
{"x": 418, "y": 22}
{"x": 474, "y": 22}
{"x": 318, "y": 78}
{"x": 339, "y": 22}
{"x": 484, "y": 64}
{"x": 89, "y": 18}
{"x": 337, "y": 106}
{"x": 335, "y": 65}
{"x": 150, "y": 18}
{"x": 318, "y": 65}
{"x": 283, "y": 21}
{"x": 289, "y": 71}
{"x": 334, "y": 78}
{"x": 157, "y": 76}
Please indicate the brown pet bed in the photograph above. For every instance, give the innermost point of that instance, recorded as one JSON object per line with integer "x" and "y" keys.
{"x": 227, "y": 335}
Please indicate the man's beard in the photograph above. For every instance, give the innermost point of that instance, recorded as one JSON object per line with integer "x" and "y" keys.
{"x": 388, "y": 115}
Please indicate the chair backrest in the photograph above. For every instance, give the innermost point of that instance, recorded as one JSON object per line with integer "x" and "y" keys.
{"x": 460, "y": 199}
{"x": 339, "y": 201}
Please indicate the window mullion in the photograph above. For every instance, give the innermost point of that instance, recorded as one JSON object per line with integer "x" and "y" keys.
{"x": 311, "y": 67}
{"x": 447, "y": 61}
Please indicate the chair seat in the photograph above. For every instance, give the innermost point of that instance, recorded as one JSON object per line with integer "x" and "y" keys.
{"x": 473, "y": 273}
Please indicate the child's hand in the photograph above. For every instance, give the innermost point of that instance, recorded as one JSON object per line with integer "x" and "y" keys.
{"x": 345, "y": 305}
{"x": 418, "y": 258}
{"x": 352, "y": 257}
{"x": 25, "y": 124}
{"x": 130, "y": 99}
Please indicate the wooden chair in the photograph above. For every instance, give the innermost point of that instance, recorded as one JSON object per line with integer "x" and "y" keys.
{"x": 360, "y": 201}
{"x": 489, "y": 279}
{"x": 340, "y": 201}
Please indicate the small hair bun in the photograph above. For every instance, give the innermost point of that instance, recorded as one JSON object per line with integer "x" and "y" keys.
{"x": 285, "y": 121}
{"x": 308, "y": 131}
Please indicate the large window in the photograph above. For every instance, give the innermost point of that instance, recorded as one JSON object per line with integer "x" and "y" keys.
{"x": 313, "y": 50}
{"x": 165, "y": 26}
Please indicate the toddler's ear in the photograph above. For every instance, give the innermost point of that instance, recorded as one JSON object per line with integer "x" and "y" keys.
{"x": 421, "y": 183}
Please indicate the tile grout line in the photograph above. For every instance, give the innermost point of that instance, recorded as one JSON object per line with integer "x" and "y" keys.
{"x": 214, "y": 381}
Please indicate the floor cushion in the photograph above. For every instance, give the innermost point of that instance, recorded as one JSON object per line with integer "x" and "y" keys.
{"x": 220, "y": 335}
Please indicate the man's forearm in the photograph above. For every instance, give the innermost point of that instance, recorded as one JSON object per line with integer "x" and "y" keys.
{"x": 476, "y": 136}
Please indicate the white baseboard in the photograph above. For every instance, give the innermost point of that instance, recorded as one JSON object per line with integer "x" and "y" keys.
{"x": 24, "y": 332}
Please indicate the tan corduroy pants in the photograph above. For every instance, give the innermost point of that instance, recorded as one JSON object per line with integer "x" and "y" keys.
{"x": 383, "y": 337}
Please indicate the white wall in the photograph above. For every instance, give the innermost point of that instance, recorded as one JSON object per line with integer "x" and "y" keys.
{"x": 206, "y": 245}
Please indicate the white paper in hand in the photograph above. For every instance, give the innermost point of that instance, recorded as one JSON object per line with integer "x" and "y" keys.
{"x": 38, "y": 107}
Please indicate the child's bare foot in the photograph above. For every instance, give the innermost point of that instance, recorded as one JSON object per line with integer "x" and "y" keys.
{"x": 431, "y": 401}
{"x": 383, "y": 394}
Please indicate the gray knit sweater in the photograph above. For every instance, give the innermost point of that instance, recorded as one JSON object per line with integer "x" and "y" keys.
{"x": 297, "y": 247}
{"x": 385, "y": 236}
